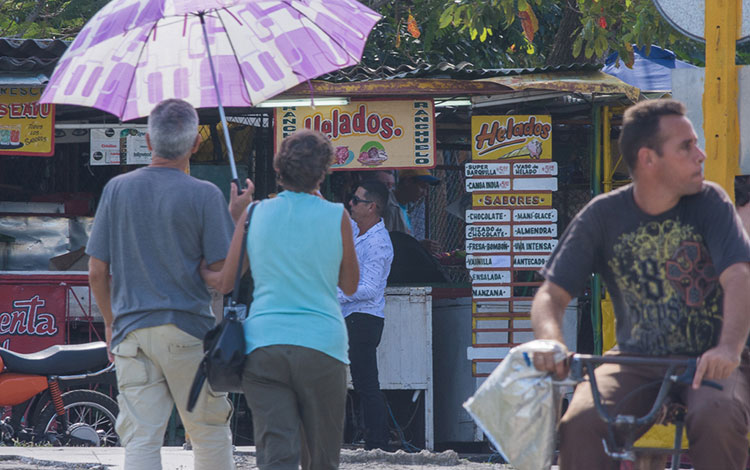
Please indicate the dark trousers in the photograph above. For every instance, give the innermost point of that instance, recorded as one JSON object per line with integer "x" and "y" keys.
{"x": 298, "y": 399}
{"x": 364, "y": 336}
{"x": 717, "y": 421}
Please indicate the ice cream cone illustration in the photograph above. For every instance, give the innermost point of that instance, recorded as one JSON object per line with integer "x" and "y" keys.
{"x": 532, "y": 150}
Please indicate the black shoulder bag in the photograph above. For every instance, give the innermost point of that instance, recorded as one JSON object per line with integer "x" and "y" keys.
{"x": 224, "y": 344}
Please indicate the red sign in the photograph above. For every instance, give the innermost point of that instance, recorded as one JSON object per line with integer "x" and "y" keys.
{"x": 32, "y": 317}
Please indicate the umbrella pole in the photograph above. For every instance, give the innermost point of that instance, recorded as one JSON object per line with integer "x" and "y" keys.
{"x": 227, "y": 140}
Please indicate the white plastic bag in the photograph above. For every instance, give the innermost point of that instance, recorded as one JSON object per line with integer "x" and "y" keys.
{"x": 518, "y": 406}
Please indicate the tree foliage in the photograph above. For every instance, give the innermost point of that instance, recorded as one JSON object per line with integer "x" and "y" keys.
{"x": 45, "y": 19}
{"x": 603, "y": 26}
{"x": 487, "y": 33}
{"x": 391, "y": 42}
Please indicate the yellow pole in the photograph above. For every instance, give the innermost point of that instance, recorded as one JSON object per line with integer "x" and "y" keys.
{"x": 720, "y": 117}
{"x": 607, "y": 148}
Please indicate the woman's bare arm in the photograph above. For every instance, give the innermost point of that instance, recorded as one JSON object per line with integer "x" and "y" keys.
{"x": 349, "y": 271}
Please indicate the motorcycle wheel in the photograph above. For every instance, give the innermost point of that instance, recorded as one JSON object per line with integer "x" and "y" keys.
{"x": 91, "y": 420}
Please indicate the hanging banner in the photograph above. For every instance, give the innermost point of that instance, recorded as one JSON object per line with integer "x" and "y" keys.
{"x": 368, "y": 134}
{"x": 26, "y": 127}
{"x": 109, "y": 145}
{"x": 511, "y": 137}
{"x": 32, "y": 317}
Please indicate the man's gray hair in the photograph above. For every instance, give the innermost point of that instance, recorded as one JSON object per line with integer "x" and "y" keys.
{"x": 172, "y": 128}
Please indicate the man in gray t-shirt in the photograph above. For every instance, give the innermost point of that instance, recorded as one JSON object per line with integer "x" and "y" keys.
{"x": 153, "y": 228}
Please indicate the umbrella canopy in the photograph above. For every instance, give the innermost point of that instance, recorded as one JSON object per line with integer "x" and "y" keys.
{"x": 134, "y": 53}
{"x": 652, "y": 72}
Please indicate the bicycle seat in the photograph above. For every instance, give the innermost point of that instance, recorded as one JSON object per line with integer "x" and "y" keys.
{"x": 68, "y": 359}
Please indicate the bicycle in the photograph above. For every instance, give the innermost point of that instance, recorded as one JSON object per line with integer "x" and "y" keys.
{"x": 628, "y": 425}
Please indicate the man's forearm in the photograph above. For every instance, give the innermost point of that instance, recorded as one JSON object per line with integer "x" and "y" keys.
{"x": 102, "y": 294}
{"x": 547, "y": 311}
{"x": 736, "y": 308}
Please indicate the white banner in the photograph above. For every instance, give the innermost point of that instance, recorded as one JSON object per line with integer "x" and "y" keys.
{"x": 488, "y": 246}
{"x": 487, "y": 169}
{"x": 491, "y": 292}
{"x": 542, "y": 230}
{"x": 487, "y": 184}
{"x": 498, "y": 261}
{"x": 534, "y": 246}
{"x": 530, "y": 261}
{"x": 534, "y": 184}
{"x": 487, "y": 231}
{"x": 535, "y": 215}
{"x": 501, "y": 215}
{"x": 534, "y": 169}
{"x": 490, "y": 277}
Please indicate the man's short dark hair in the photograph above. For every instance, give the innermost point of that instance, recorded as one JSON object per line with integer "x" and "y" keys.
{"x": 377, "y": 192}
{"x": 640, "y": 127}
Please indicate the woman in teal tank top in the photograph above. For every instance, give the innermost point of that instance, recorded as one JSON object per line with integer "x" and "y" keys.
{"x": 300, "y": 248}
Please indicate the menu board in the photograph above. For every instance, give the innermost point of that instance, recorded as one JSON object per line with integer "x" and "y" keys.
{"x": 511, "y": 228}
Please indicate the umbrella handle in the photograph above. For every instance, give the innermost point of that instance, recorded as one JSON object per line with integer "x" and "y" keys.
{"x": 227, "y": 141}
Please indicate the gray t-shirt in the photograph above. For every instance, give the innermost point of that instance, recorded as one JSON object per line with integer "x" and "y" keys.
{"x": 153, "y": 226}
{"x": 661, "y": 271}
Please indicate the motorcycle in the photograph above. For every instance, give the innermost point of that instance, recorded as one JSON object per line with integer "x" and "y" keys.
{"x": 33, "y": 384}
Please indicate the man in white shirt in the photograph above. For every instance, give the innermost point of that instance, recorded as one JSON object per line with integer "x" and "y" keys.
{"x": 364, "y": 310}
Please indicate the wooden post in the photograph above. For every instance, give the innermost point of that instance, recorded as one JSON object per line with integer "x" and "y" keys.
{"x": 720, "y": 115}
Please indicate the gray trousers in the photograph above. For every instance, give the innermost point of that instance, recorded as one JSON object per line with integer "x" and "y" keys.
{"x": 297, "y": 396}
{"x": 717, "y": 421}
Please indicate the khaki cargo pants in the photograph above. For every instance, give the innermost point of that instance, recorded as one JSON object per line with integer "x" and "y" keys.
{"x": 155, "y": 369}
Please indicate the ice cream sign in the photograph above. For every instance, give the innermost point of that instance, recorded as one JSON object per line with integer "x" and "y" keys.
{"x": 26, "y": 127}
{"x": 374, "y": 134}
{"x": 520, "y": 137}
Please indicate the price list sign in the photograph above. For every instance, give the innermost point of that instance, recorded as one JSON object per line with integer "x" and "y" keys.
{"x": 511, "y": 228}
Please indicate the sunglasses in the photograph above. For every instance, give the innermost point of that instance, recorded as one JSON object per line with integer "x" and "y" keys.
{"x": 356, "y": 200}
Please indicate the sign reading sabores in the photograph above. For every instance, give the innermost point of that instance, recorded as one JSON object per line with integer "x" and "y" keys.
{"x": 369, "y": 134}
{"x": 32, "y": 318}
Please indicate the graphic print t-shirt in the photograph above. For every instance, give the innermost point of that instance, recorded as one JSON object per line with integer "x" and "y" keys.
{"x": 662, "y": 272}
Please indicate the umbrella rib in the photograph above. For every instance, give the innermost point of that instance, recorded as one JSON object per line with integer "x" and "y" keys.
{"x": 234, "y": 53}
{"x": 140, "y": 54}
{"x": 312, "y": 23}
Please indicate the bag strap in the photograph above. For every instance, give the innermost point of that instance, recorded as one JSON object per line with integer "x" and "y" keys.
{"x": 243, "y": 250}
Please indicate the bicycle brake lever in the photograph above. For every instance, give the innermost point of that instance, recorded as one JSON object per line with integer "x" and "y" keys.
{"x": 687, "y": 377}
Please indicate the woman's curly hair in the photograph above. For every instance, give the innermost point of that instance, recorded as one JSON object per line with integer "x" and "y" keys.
{"x": 303, "y": 160}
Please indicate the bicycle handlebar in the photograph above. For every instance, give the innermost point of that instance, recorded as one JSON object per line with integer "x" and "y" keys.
{"x": 581, "y": 364}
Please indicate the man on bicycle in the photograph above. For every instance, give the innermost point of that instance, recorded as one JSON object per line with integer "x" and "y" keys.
{"x": 674, "y": 258}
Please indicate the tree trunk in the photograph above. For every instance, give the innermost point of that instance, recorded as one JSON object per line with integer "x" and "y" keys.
{"x": 562, "y": 50}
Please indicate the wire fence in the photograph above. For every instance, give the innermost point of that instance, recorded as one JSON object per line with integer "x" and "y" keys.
{"x": 446, "y": 203}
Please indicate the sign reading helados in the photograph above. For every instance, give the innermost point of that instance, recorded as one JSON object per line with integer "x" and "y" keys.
{"x": 374, "y": 134}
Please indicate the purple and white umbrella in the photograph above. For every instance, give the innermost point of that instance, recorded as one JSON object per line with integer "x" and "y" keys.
{"x": 134, "y": 53}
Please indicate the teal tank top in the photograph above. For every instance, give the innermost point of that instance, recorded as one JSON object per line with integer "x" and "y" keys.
{"x": 295, "y": 251}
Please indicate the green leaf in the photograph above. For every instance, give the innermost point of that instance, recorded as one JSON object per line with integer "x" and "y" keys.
{"x": 577, "y": 44}
{"x": 589, "y": 52}
{"x": 446, "y": 18}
